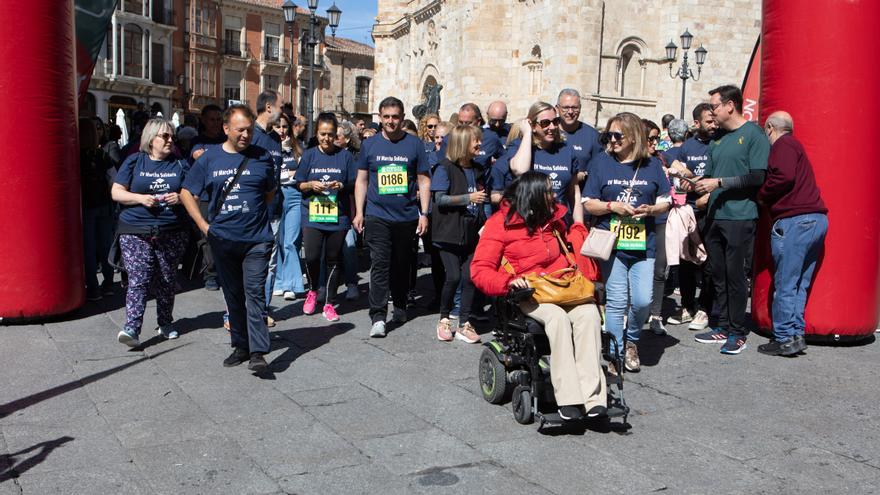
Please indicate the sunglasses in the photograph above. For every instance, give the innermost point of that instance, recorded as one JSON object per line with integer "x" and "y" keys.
{"x": 654, "y": 139}
{"x": 497, "y": 121}
{"x": 431, "y": 126}
{"x": 546, "y": 122}
{"x": 606, "y": 137}
{"x": 165, "y": 136}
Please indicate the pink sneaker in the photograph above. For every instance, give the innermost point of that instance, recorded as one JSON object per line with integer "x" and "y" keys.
{"x": 444, "y": 330}
{"x": 467, "y": 334}
{"x": 311, "y": 302}
{"x": 330, "y": 313}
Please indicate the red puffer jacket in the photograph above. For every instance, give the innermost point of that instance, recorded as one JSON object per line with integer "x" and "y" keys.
{"x": 538, "y": 253}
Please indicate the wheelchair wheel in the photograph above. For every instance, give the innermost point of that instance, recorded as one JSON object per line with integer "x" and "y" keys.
{"x": 522, "y": 405}
{"x": 493, "y": 377}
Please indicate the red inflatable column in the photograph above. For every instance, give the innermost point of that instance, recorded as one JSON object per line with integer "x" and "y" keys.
{"x": 41, "y": 265}
{"x": 819, "y": 64}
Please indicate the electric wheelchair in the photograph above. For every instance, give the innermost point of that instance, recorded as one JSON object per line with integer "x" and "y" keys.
{"x": 515, "y": 366}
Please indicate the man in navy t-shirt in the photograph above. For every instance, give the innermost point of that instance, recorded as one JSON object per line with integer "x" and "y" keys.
{"x": 583, "y": 138}
{"x": 237, "y": 229}
{"x": 392, "y": 194}
{"x": 497, "y": 121}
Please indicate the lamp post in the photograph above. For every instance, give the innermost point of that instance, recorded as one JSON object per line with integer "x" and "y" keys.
{"x": 289, "y": 9}
{"x": 333, "y": 14}
{"x": 184, "y": 92}
{"x": 684, "y": 71}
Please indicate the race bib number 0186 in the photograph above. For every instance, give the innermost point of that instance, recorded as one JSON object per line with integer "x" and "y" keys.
{"x": 393, "y": 179}
{"x": 632, "y": 235}
{"x": 323, "y": 209}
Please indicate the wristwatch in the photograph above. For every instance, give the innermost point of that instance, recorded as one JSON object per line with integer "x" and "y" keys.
{"x": 423, "y": 214}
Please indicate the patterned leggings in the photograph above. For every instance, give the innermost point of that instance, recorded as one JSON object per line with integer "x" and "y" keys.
{"x": 151, "y": 263}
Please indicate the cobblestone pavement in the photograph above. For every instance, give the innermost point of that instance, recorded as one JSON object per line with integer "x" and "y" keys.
{"x": 342, "y": 413}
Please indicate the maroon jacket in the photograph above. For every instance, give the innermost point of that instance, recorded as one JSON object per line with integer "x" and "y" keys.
{"x": 790, "y": 187}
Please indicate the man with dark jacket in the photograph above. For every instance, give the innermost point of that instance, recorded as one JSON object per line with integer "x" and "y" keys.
{"x": 797, "y": 236}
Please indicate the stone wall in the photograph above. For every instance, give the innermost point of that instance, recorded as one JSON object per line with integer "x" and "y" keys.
{"x": 522, "y": 51}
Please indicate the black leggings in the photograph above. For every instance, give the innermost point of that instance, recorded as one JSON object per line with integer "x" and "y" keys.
{"x": 329, "y": 243}
{"x": 457, "y": 264}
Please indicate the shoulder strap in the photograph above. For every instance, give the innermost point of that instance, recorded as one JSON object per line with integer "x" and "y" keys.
{"x": 226, "y": 190}
{"x": 565, "y": 250}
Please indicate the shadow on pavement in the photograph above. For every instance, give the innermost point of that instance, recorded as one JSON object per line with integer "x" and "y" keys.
{"x": 300, "y": 341}
{"x": 652, "y": 347}
{"x": 10, "y": 471}
{"x": 30, "y": 400}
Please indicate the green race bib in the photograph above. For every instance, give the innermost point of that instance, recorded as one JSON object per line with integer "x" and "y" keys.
{"x": 632, "y": 235}
{"x": 323, "y": 209}
{"x": 393, "y": 179}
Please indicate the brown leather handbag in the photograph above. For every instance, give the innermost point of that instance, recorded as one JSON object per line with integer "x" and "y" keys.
{"x": 563, "y": 287}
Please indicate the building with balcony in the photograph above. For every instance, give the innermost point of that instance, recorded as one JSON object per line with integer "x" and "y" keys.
{"x": 348, "y": 78}
{"x": 136, "y": 63}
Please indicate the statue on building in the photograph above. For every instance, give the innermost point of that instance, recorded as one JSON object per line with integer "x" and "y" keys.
{"x": 430, "y": 101}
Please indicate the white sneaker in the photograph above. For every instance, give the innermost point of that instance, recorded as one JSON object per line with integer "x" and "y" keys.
{"x": 289, "y": 295}
{"x": 685, "y": 318}
{"x": 278, "y": 292}
{"x": 128, "y": 339}
{"x": 377, "y": 330}
{"x": 700, "y": 321}
{"x": 168, "y": 332}
{"x": 657, "y": 325}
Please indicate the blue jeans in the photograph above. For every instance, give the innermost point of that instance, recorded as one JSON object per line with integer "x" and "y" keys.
{"x": 97, "y": 238}
{"x": 796, "y": 243}
{"x": 275, "y": 225}
{"x": 628, "y": 286}
{"x": 350, "y": 257}
{"x": 290, "y": 273}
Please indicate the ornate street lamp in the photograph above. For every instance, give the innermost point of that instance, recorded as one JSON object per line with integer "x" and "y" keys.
{"x": 333, "y": 13}
{"x": 289, "y": 9}
{"x": 684, "y": 71}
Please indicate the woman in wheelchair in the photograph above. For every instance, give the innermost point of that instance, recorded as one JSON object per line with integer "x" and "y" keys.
{"x": 522, "y": 232}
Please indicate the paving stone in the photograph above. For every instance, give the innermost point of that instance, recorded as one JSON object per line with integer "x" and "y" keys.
{"x": 417, "y": 451}
{"x": 121, "y": 480}
{"x": 208, "y": 465}
{"x": 357, "y": 479}
{"x": 359, "y": 419}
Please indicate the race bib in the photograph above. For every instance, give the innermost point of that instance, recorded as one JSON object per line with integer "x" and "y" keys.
{"x": 393, "y": 179}
{"x": 323, "y": 209}
{"x": 632, "y": 235}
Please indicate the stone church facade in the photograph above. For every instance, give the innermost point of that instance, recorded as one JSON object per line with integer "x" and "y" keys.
{"x": 522, "y": 51}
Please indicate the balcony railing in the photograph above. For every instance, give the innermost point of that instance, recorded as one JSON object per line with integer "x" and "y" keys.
{"x": 361, "y": 107}
{"x": 163, "y": 16}
{"x": 275, "y": 54}
{"x": 235, "y": 48}
{"x": 204, "y": 40}
{"x": 163, "y": 77}
{"x": 304, "y": 60}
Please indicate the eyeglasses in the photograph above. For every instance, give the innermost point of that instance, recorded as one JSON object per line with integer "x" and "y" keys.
{"x": 713, "y": 107}
{"x": 607, "y": 137}
{"x": 653, "y": 139}
{"x": 430, "y": 126}
{"x": 165, "y": 136}
{"x": 497, "y": 121}
{"x": 571, "y": 109}
{"x": 282, "y": 126}
{"x": 546, "y": 122}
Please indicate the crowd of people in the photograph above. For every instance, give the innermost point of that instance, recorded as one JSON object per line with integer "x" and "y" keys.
{"x": 256, "y": 205}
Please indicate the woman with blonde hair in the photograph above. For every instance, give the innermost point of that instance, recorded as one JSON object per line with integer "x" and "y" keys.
{"x": 625, "y": 191}
{"x": 549, "y": 155}
{"x": 152, "y": 229}
{"x": 457, "y": 216}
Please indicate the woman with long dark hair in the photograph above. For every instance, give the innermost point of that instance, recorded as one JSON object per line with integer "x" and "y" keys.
{"x": 528, "y": 231}
{"x": 152, "y": 228}
{"x": 289, "y": 281}
{"x": 96, "y": 168}
{"x": 459, "y": 194}
{"x": 625, "y": 191}
{"x": 325, "y": 177}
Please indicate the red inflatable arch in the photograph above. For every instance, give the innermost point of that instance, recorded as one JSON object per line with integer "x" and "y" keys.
{"x": 41, "y": 265}
{"x": 819, "y": 64}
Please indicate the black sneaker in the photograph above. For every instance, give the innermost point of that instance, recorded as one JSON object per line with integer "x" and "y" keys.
{"x": 94, "y": 294}
{"x": 800, "y": 343}
{"x": 237, "y": 357}
{"x": 570, "y": 413}
{"x": 211, "y": 284}
{"x": 597, "y": 412}
{"x": 257, "y": 363}
{"x": 107, "y": 288}
{"x": 734, "y": 345}
{"x": 787, "y": 347}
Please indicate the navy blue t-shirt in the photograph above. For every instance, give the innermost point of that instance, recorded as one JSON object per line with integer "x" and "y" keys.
{"x": 319, "y": 166}
{"x": 289, "y": 164}
{"x": 440, "y": 183}
{"x": 694, "y": 154}
{"x": 392, "y": 191}
{"x": 142, "y": 175}
{"x": 608, "y": 181}
{"x": 203, "y": 142}
{"x": 271, "y": 142}
{"x": 585, "y": 142}
{"x": 560, "y": 164}
{"x": 490, "y": 147}
{"x": 500, "y": 133}
{"x": 244, "y": 215}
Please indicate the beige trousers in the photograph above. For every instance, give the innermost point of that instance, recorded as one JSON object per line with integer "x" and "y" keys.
{"x": 575, "y": 334}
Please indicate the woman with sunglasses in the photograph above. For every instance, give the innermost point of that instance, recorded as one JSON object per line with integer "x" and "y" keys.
{"x": 427, "y": 133}
{"x": 152, "y": 228}
{"x": 289, "y": 281}
{"x": 549, "y": 155}
{"x": 626, "y": 190}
